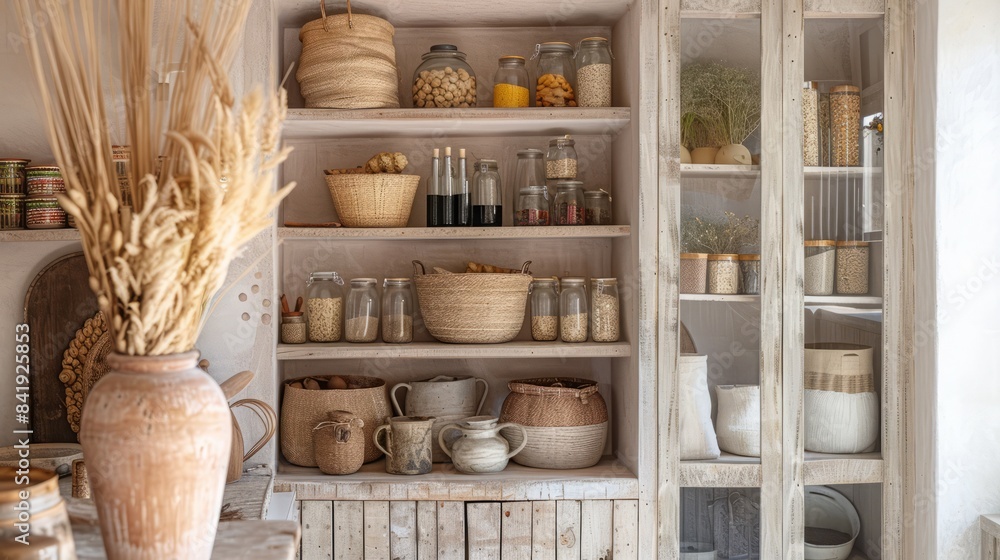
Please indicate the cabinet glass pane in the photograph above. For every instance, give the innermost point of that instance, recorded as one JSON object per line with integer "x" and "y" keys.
{"x": 720, "y": 269}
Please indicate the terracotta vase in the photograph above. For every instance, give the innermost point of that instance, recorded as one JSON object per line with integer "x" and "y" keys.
{"x": 156, "y": 433}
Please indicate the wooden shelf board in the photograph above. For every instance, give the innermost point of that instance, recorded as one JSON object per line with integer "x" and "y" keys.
{"x": 441, "y": 350}
{"x": 706, "y": 171}
{"x": 552, "y": 232}
{"x": 728, "y": 471}
{"x": 861, "y": 468}
{"x": 15, "y": 235}
{"x": 608, "y": 480}
{"x": 843, "y": 300}
{"x": 843, "y": 9}
{"x": 430, "y": 123}
{"x": 730, "y": 298}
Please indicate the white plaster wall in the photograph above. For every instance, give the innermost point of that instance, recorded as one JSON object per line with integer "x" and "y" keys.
{"x": 967, "y": 272}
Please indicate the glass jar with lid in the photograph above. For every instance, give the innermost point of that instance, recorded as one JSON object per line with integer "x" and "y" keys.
{"x": 325, "y": 306}
{"x": 444, "y": 79}
{"x": 604, "y": 310}
{"x": 569, "y": 204}
{"x": 574, "y": 318}
{"x": 820, "y": 263}
{"x": 845, "y": 125}
{"x": 598, "y": 204}
{"x": 397, "y": 310}
{"x": 556, "y": 82}
{"x": 532, "y": 207}
{"x": 293, "y": 328}
{"x": 510, "y": 83}
{"x": 544, "y": 309}
{"x": 361, "y": 321}
{"x": 487, "y": 195}
{"x": 593, "y": 73}
{"x": 560, "y": 160}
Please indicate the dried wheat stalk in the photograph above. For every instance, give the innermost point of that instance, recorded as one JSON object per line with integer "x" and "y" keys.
{"x": 156, "y": 268}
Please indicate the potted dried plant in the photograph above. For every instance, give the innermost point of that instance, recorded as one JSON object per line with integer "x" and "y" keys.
{"x": 156, "y": 429}
{"x": 720, "y": 107}
{"x": 721, "y": 239}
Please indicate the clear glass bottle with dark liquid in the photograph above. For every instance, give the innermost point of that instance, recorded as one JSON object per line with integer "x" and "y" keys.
{"x": 487, "y": 195}
{"x": 448, "y": 191}
{"x": 434, "y": 202}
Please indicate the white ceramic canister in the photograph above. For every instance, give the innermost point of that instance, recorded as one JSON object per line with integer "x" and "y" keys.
{"x": 738, "y": 423}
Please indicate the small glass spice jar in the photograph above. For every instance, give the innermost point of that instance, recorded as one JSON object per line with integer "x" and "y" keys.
{"x": 561, "y": 161}
{"x": 820, "y": 262}
{"x": 574, "y": 318}
{"x": 723, "y": 274}
{"x": 532, "y": 207}
{"x": 593, "y": 73}
{"x": 556, "y": 71}
{"x": 444, "y": 79}
{"x": 293, "y": 328}
{"x": 598, "y": 205}
{"x": 12, "y": 175}
{"x": 11, "y": 211}
{"x": 694, "y": 273}
{"x": 810, "y": 124}
{"x": 362, "y": 316}
{"x": 852, "y": 267}
{"x": 604, "y": 310}
{"x": 749, "y": 274}
{"x": 845, "y": 124}
{"x": 510, "y": 83}
{"x": 569, "y": 205}
{"x": 325, "y": 307}
{"x": 397, "y": 310}
{"x": 544, "y": 297}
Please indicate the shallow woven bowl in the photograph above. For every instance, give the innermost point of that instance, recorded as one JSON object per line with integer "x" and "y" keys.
{"x": 373, "y": 200}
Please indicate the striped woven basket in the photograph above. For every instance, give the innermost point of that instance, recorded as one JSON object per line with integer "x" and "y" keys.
{"x": 348, "y": 61}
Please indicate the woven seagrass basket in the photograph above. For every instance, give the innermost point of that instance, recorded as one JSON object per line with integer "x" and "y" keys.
{"x": 373, "y": 199}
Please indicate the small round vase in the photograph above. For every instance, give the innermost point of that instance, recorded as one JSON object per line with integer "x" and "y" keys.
{"x": 704, "y": 155}
{"x": 156, "y": 432}
{"x": 733, "y": 154}
{"x": 685, "y": 155}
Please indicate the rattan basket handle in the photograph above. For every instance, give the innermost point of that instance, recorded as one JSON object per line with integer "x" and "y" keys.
{"x": 524, "y": 267}
{"x": 419, "y": 271}
{"x": 266, "y": 415}
{"x": 326, "y": 23}
{"x": 586, "y": 393}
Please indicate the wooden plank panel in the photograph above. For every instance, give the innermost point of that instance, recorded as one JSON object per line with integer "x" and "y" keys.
{"x": 668, "y": 274}
{"x": 626, "y": 529}
{"x": 348, "y": 530}
{"x": 376, "y": 530}
{"x": 515, "y": 531}
{"x": 483, "y": 531}
{"x": 596, "y": 529}
{"x": 988, "y": 547}
{"x": 427, "y": 548}
{"x": 451, "y": 530}
{"x": 403, "y": 530}
{"x": 543, "y": 530}
{"x": 317, "y": 530}
{"x": 568, "y": 530}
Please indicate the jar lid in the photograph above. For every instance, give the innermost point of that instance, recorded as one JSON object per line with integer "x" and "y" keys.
{"x": 604, "y": 280}
{"x": 555, "y": 46}
{"x": 749, "y": 257}
{"x": 724, "y": 257}
{"x": 599, "y": 193}
{"x": 444, "y": 48}
{"x": 820, "y": 243}
{"x": 852, "y": 244}
{"x": 574, "y": 280}
{"x": 397, "y": 281}
{"x": 530, "y": 153}
{"x": 533, "y": 189}
{"x": 364, "y": 281}
{"x": 546, "y": 280}
{"x": 810, "y": 85}
{"x": 846, "y": 88}
{"x": 324, "y": 276}
{"x": 694, "y": 255}
{"x": 486, "y": 162}
{"x": 512, "y": 58}
{"x": 15, "y": 161}
{"x": 595, "y": 40}
{"x": 562, "y": 141}
{"x": 569, "y": 184}
{"x": 41, "y": 169}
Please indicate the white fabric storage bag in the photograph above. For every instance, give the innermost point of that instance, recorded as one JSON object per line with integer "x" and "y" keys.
{"x": 697, "y": 434}
{"x": 738, "y": 422}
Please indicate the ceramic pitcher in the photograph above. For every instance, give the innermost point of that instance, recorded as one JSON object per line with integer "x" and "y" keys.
{"x": 481, "y": 448}
{"x": 407, "y": 444}
{"x": 441, "y": 396}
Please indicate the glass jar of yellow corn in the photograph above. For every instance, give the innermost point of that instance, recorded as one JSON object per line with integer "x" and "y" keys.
{"x": 510, "y": 84}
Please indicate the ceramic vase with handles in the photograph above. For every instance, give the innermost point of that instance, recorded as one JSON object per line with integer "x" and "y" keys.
{"x": 480, "y": 448}
{"x": 446, "y": 398}
{"x": 407, "y": 444}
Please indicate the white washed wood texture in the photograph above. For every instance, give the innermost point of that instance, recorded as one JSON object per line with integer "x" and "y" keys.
{"x": 597, "y": 534}
{"x": 348, "y": 530}
{"x": 427, "y": 548}
{"x": 376, "y": 530}
{"x": 483, "y": 533}
{"x": 451, "y": 530}
{"x": 543, "y": 530}
{"x": 515, "y": 530}
{"x": 317, "y": 530}
{"x": 626, "y": 530}
{"x": 403, "y": 536}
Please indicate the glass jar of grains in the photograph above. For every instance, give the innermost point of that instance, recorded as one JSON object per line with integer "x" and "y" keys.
{"x": 556, "y": 83}
{"x": 544, "y": 294}
{"x": 444, "y": 79}
{"x": 852, "y": 267}
{"x": 604, "y": 310}
{"x": 598, "y": 205}
{"x": 397, "y": 310}
{"x": 361, "y": 323}
{"x": 593, "y": 73}
{"x": 723, "y": 274}
{"x": 325, "y": 306}
{"x": 810, "y": 124}
{"x": 574, "y": 318}
{"x": 510, "y": 83}
{"x": 819, "y": 267}
{"x": 694, "y": 273}
{"x": 845, "y": 124}
{"x": 293, "y": 328}
{"x": 749, "y": 274}
{"x": 560, "y": 161}
{"x": 569, "y": 207}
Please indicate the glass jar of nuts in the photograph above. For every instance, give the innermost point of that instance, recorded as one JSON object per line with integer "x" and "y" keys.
{"x": 545, "y": 309}
{"x": 510, "y": 83}
{"x": 574, "y": 318}
{"x": 444, "y": 79}
{"x": 325, "y": 307}
{"x": 555, "y": 85}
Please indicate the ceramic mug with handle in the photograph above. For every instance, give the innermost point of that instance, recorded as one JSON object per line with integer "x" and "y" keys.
{"x": 407, "y": 447}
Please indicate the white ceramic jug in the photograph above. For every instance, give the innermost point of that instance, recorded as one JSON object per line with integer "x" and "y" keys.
{"x": 481, "y": 448}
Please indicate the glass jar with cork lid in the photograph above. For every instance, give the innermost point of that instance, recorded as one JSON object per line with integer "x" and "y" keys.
{"x": 819, "y": 266}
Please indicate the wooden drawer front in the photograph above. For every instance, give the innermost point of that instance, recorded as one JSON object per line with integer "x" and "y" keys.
{"x": 424, "y": 530}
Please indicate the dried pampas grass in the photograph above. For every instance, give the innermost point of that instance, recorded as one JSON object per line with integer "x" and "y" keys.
{"x": 204, "y": 162}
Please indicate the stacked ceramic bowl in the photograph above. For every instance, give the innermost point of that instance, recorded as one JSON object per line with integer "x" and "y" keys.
{"x": 42, "y": 209}
{"x": 12, "y": 193}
